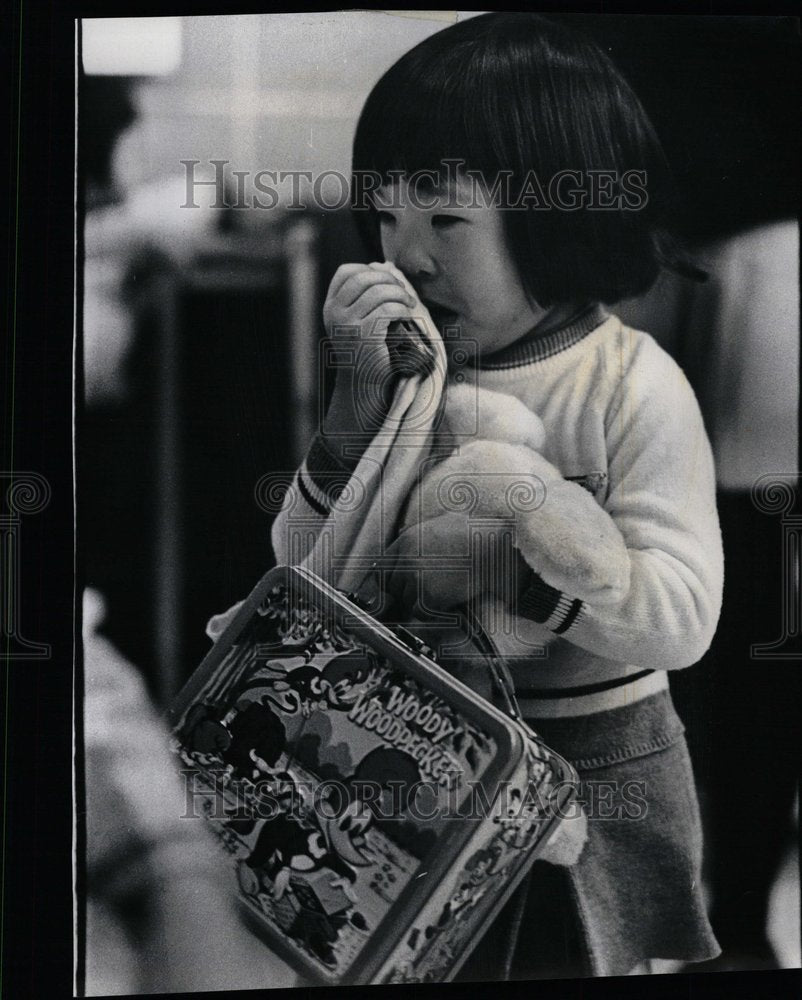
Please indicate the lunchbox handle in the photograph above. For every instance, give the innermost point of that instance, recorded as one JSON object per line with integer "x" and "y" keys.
{"x": 496, "y": 664}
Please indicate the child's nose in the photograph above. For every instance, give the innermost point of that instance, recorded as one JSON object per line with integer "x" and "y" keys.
{"x": 411, "y": 253}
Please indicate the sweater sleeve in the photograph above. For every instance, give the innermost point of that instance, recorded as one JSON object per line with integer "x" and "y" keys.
{"x": 315, "y": 488}
{"x": 661, "y": 499}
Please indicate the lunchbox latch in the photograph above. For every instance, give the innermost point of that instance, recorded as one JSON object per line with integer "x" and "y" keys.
{"x": 409, "y": 639}
{"x": 412, "y": 642}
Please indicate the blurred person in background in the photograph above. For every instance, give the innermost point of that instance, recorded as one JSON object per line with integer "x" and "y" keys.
{"x": 160, "y": 911}
{"x": 740, "y": 347}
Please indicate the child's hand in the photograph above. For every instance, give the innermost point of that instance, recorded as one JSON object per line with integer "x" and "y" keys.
{"x": 217, "y": 624}
{"x": 566, "y": 844}
{"x": 362, "y": 301}
{"x": 455, "y": 566}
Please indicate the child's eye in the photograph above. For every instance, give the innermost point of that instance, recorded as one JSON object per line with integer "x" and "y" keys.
{"x": 445, "y": 221}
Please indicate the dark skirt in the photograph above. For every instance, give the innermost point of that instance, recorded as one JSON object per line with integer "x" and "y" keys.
{"x": 635, "y": 892}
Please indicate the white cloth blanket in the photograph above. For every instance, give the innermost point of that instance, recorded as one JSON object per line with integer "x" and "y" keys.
{"x": 358, "y": 533}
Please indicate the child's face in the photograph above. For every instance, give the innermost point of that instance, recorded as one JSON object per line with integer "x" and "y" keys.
{"x": 459, "y": 263}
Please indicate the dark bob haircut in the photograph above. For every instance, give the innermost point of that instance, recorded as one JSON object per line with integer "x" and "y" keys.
{"x": 517, "y": 93}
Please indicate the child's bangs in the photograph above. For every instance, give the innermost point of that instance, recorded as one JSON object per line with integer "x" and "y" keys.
{"x": 421, "y": 115}
{"x": 413, "y": 137}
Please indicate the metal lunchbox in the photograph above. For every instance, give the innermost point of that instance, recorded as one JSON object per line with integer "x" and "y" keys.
{"x": 376, "y": 812}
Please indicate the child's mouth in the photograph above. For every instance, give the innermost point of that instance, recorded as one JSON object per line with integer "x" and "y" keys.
{"x": 441, "y": 315}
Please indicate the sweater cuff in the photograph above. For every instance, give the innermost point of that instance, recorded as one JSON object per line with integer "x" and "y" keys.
{"x": 321, "y": 458}
{"x": 324, "y": 475}
{"x": 548, "y": 606}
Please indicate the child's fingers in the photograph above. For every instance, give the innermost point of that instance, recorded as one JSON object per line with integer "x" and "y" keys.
{"x": 341, "y": 275}
{"x": 356, "y": 286}
{"x": 565, "y": 845}
{"x": 421, "y": 315}
{"x": 375, "y": 323}
{"x": 386, "y": 267}
{"x": 399, "y": 275}
{"x": 217, "y": 624}
{"x": 378, "y": 295}
{"x": 346, "y": 272}
{"x": 382, "y": 265}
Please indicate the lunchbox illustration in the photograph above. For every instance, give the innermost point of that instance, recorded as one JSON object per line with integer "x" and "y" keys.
{"x": 376, "y": 813}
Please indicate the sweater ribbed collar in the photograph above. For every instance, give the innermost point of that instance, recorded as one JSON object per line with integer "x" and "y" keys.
{"x": 537, "y": 345}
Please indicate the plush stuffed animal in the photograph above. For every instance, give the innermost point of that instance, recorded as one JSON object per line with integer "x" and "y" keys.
{"x": 498, "y": 477}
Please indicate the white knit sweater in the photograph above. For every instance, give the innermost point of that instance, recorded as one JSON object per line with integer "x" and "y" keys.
{"x": 620, "y": 418}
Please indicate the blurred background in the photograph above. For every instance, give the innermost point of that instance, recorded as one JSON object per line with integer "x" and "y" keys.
{"x": 200, "y": 329}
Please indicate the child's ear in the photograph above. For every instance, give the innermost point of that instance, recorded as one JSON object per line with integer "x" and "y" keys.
{"x": 474, "y": 413}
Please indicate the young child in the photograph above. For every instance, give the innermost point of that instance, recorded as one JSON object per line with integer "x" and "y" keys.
{"x": 544, "y": 201}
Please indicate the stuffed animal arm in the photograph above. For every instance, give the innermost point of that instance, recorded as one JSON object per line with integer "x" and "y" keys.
{"x": 495, "y": 473}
